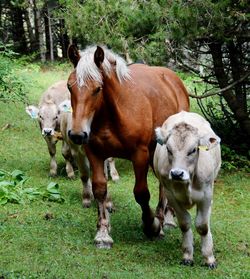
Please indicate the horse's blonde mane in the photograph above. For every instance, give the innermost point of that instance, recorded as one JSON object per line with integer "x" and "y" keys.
{"x": 87, "y": 70}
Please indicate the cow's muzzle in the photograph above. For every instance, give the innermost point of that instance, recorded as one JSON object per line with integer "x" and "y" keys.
{"x": 78, "y": 138}
{"x": 178, "y": 174}
{"x": 47, "y": 132}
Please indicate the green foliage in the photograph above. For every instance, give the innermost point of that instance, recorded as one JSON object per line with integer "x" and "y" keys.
{"x": 12, "y": 189}
{"x": 133, "y": 26}
{"x": 231, "y": 161}
{"x": 12, "y": 86}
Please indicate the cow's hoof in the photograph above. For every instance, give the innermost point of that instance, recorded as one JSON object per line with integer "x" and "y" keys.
{"x": 187, "y": 262}
{"x": 110, "y": 207}
{"x": 115, "y": 177}
{"x": 71, "y": 176}
{"x": 103, "y": 240}
{"x": 211, "y": 265}
{"x": 52, "y": 174}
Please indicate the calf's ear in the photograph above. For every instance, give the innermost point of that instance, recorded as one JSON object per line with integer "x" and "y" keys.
{"x": 73, "y": 55}
{"x": 32, "y": 111}
{"x": 209, "y": 142}
{"x": 65, "y": 106}
{"x": 161, "y": 135}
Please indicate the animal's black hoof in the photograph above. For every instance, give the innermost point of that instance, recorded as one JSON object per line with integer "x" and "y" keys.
{"x": 187, "y": 262}
{"x": 211, "y": 265}
{"x": 153, "y": 230}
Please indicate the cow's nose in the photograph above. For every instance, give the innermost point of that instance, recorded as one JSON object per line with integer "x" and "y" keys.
{"x": 47, "y": 132}
{"x": 78, "y": 138}
{"x": 176, "y": 174}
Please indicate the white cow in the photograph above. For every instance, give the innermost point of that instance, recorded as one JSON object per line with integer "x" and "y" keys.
{"x": 187, "y": 160}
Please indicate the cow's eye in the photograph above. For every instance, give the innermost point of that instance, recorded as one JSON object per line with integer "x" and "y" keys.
{"x": 169, "y": 151}
{"x": 40, "y": 117}
{"x": 55, "y": 118}
{"x": 96, "y": 91}
{"x": 192, "y": 152}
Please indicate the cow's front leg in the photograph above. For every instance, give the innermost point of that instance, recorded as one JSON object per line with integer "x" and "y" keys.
{"x": 66, "y": 152}
{"x": 52, "y": 152}
{"x": 99, "y": 187}
{"x": 202, "y": 225}
{"x": 113, "y": 171}
{"x": 142, "y": 196}
{"x": 184, "y": 221}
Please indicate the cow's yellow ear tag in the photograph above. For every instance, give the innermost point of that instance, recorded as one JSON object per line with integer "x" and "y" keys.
{"x": 203, "y": 147}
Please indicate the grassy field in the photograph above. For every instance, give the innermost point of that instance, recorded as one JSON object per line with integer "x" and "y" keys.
{"x": 61, "y": 246}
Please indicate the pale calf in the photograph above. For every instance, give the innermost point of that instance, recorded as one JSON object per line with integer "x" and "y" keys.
{"x": 187, "y": 160}
{"x": 48, "y": 115}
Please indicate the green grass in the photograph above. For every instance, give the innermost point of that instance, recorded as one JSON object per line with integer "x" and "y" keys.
{"x": 33, "y": 246}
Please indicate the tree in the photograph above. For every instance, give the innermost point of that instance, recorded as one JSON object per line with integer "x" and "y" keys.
{"x": 217, "y": 36}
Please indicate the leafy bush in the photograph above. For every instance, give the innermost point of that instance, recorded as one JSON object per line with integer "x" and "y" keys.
{"x": 232, "y": 161}
{"x": 12, "y": 85}
{"x": 12, "y": 189}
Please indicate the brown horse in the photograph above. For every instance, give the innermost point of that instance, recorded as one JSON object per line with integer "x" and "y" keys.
{"x": 115, "y": 111}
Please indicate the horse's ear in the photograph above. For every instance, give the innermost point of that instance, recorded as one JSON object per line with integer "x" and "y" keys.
{"x": 73, "y": 54}
{"x": 99, "y": 56}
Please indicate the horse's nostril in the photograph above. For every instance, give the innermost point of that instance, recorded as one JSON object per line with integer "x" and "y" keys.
{"x": 78, "y": 138}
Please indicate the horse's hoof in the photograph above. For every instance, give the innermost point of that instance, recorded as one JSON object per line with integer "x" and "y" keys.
{"x": 211, "y": 265}
{"x": 187, "y": 262}
{"x": 103, "y": 240}
{"x": 86, "y": 203}
{"x": 153, "y": 230}
{"x": 103, "y": 245}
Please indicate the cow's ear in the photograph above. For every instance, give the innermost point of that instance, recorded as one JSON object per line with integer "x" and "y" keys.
{"x": 73, "y": 55}
{"x": 65, "y": 106}
{"x": 209, "y": 141}
{"x": 32, "y": 111}
{"x": 161, "y": 135}
{"x": 99, "y": 56}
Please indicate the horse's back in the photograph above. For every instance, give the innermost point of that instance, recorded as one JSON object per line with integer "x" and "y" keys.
{"x": 163, "y": 88}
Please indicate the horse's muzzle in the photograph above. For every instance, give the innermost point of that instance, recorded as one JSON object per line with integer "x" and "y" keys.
{"x": 78, "y": 138}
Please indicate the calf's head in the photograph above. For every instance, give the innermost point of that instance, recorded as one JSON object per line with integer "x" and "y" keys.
{"x": 183, "y": 144}
{"x": 48, "y": 116}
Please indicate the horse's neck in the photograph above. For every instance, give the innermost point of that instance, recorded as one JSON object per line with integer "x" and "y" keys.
{"x": 112, "y": 96}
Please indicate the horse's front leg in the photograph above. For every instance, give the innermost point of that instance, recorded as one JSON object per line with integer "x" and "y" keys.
{"x": 99, "y": 188}
{"x": 142, "y": 196}
{"x": 164, "y": 212}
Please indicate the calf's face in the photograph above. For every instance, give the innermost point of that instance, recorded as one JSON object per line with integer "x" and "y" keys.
{"x": 48, "y": 117}
{"x": 182, "y": 145}
{"x": 182, "y": 149}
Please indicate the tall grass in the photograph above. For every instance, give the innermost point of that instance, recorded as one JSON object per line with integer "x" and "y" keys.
{"x": 43, "y": 239}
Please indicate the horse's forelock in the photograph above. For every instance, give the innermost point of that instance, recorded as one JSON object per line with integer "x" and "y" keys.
{"x": 87, "y": 69}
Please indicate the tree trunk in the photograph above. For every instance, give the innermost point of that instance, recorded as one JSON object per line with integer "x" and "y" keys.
{"x": 40, "y": 29}
{"x": 18, "y": 33}
{"x": 239, "y": 112}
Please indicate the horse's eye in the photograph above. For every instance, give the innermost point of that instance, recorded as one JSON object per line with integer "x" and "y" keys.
{"x": 96, "y": 91}
{"x": 191, "y": 152}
